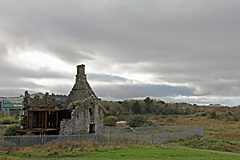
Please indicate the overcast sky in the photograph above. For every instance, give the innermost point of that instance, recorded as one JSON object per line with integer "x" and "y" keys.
{"x": 173, "y": 50}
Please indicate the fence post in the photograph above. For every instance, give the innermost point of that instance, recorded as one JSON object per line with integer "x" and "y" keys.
{"x": 39, "y": 139}
{"x": 164, "y": 137}
{"x": 146, "y": 139}
{"x": 79, "y": 138}
{"x": 124, "y": 137}
{"x": 44, "y": 139}
{"x": 103, "y": 135}
{"x": 137, "y": 137}
{"x": 169, "y": 138}
{"x": 32, "y": 140}
{"x": 110, "y": 136}
{"x": 152, "y": 138}
{"x": 96, "y": 137}
{"x": 18, "y": 140}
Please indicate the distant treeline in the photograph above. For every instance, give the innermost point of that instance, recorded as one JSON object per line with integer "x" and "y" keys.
{"x": 150, "y": 106}
{"x": 146, "y": 106}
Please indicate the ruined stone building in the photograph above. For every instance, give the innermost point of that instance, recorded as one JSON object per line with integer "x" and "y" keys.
{"x": 80, "y": 113}
{"x": 86, "y": 114}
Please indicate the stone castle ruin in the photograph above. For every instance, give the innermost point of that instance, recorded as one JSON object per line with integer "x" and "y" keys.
{"x": 80, "y": 113}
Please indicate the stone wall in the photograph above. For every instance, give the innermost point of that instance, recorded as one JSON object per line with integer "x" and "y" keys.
{"x": 66, "y": 127}
{"x": 84, "y": 113}
{"x": 81, "y": 88}
{"x": 99, "y": 118}
{"x": 36, "y": 101}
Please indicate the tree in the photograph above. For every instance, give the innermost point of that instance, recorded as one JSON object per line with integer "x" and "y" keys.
{"x": 187, "y": 111}
{"x": 107, "y": 108}
{"x": 136, "y": 108}
{"x": 213, "y": 114}
{"x": 148, "y": 102}
{"x": 161, "y": 102}
{"x": 125, "y": 105}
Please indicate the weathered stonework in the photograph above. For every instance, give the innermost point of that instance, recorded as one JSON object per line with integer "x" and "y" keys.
{"x": 36, "y": 102}
{"x": 81, "y": 89}
{"x": 79, "y": 114}
{"x": 87, "y": 116}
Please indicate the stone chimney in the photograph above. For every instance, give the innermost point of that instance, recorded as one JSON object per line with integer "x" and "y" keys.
{"x": 80, "y": 73}
{"x": 81, "y": 69}
{"x": 81, "y": 89}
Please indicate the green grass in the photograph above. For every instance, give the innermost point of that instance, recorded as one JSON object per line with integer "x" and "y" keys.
{"x": 145, "y": 153}
{"x": 212, "y": 144}
{"x": 12, "y": 118}
{"x": 220, "y": 135}
{"x": 156, "y": 153}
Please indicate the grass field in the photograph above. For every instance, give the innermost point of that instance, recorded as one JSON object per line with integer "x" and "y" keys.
{"x": 156, "y": 153}
{"x": 143, "y": 152}
{"x": 10, "y": 118}
{"x": 220, "y": 136}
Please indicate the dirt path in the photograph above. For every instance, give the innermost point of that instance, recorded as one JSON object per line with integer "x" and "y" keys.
{"x": 203, "y": 150}
{"x": 195, "y": 149}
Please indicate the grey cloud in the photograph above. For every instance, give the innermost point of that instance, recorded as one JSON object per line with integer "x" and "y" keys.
{"x": 39, "y": 27}
{"x": 70, "y": 53}
{"x": 13, "y": 71}
{"x": 15, "y": 87}
{"x": 206, "y": 78}
{"x": 15, "y": 79}
{"x": 9, "y": 82}
{"x": 135, "y": 91}
{"x": 11, "y": 92}
{"x": 202, "y": 100}
{"x": 106, "y": 78}
{"x": 178, "y": 41}
{"x": 220, "y": 87}
{"x": 60, "y": 89}
{"x": 148, "y": 30}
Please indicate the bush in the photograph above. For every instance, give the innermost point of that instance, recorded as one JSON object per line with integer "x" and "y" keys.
{"x": 139, "y": 121}
{"x": 148, "y": 124}
{"x": 169, "y": 120}
{"x": 7, "y": 121}
{"x": 11, "y": 130}
{"x": 213, "y": 114}
{"x": 110, "y": 121}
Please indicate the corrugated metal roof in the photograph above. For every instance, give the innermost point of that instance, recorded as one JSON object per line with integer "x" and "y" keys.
{"x": 13, "y": 102}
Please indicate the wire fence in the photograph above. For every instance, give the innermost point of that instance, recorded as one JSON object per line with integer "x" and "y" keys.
{"x": 111, "y": 134}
